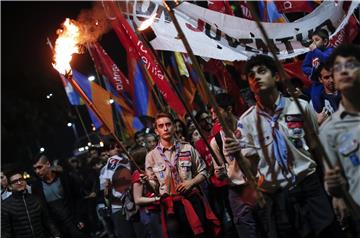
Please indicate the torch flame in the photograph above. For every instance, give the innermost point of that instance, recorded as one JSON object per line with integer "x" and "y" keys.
{"x": 147, "y": 23}
{"x": 66, "y": 45}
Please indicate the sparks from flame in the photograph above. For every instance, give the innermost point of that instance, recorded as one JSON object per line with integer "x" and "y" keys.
{"x": 66, "y": 45}
{"x": 147, "y": 23}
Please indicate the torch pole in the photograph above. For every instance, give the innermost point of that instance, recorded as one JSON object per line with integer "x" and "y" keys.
{"x": 228, "y": 133}
{"x": 308, "y": 128}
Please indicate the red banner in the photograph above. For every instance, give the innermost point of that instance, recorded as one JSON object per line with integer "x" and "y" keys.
{"x": 128, "y": 37}
{"x": 220, "y": 6}
{"x": 289, "y": 6}
{"x": 106, "y": 66}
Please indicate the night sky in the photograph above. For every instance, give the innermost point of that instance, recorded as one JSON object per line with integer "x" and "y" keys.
{"x": 29, "y": 119}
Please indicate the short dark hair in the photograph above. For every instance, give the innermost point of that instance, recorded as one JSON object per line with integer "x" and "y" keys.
{"x": 224, "y": 100}
{"x": 345, "y": 50}
{"x": 41, "y": 157}
{"x": 316, "y": 74}
{"x": 139, "y": 133}
{"x": 261, "y": 60}
{"x": 199, "y": 113}
{"x": 322, "y": 33}
{"x": 12, "y": 172}
{"x": 163, "y": 114}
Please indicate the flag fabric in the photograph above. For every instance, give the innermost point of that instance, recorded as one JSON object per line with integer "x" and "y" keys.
{"x": 107, "y": 67}
{"x": 71, "y": 94}
{"x": 99, "y": 97}
{"x": 244, "y": 10}
{"x": 195, "y": 79}
{"x": 222, "y": 6}
{"x": 143, "y": 98}
{"x": 290, "y": 6}
{"x": 293, "y": 69}
{"x": 130, "y": 40}
{"x": 269, "y": 12}
{"x": 120, "y": 87}
{"x": 184, "y": 83}
{"x": 225, "y": 80}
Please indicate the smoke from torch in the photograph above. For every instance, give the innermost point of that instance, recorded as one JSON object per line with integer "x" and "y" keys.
{"x": 66, "y": 45}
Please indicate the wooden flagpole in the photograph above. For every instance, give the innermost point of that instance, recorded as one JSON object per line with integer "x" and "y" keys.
{"x": 228, "y": 133}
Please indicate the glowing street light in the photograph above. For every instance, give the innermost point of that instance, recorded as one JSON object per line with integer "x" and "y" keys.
{"x": 69, "y": 124}
{"x": 91, "y": 78}
{"x": 42, "y": 149}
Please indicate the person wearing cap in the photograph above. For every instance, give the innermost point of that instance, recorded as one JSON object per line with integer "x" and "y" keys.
{"x": 340, "y": 133}
{"x": 272, "y": 138}
{"x": 175, "y": 170}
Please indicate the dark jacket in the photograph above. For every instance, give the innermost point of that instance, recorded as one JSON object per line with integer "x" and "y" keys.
{"x": 71, "y": 192}
{"x": 23, "y": 216}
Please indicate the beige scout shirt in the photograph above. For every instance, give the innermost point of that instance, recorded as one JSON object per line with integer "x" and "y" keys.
{"x": 303, "y": 164}
{"x": 232, "y": 168}
{"x": 189, "y": 165}
{"x": 340, "y": 135}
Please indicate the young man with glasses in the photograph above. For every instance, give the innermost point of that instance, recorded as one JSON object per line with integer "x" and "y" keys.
{"x": 22, "y": 214}
{"x": 340, "y": 134}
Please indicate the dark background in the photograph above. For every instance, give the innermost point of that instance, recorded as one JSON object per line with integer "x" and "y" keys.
{"x": 30, "y": 120}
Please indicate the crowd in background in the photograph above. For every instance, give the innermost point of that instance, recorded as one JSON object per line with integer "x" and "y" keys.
{"x": 174, "y": 185}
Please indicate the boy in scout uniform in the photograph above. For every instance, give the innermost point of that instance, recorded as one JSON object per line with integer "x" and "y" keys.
{"x": 340, "y": 134}
{"x": 175, "y": 170}
{"x": 272, "y": 133}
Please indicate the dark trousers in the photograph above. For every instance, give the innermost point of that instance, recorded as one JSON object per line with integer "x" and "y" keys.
{"x": 177, "y": 223}
{"x": 219, "y": 202}
{"x": 152, "y": 223}
{"x": 303, "y": 211}
{"x": 126, "y": 229}
{"x": 64, "y": 220}
{"x": 243, "y": 212}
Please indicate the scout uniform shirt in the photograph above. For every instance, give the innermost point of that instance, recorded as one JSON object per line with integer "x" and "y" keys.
{"x": 340, "y": 135}
{"x": 288, "y": 124}
{"x": 174, "y": 165}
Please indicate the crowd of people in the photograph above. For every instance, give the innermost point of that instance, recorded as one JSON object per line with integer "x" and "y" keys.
{"x": 172, "y": 182}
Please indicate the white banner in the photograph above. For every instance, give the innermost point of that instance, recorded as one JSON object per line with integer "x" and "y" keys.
{"x": 219, "y": 36}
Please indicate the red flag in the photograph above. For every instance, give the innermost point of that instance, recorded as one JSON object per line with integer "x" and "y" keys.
{"x": 106, "y": 66}
{"x": 218, "y": 69}
{"x": 129, "y": 38}
{"x": 347, "y": 34}
{"x": 293, "y": 69}
{"x": 289, "y": 6}
{"x": 220, "y": 6}
{"x": 245, "y": 11}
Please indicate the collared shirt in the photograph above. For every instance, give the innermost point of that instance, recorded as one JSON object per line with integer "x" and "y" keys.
{"x": 189, "y": 165}
{"x": 340, "y": 135}
{"x": 290, "y": 123}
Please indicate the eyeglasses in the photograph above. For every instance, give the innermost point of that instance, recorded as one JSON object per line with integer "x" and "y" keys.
{"x": 16, "y": 181}
{"x": 348, "y": 65}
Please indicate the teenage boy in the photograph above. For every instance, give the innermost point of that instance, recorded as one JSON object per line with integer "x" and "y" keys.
{"x": 176, "y": 170}
{"x": 273, "y": 134}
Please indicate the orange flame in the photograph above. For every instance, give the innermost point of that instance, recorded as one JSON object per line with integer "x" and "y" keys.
{"x": 66, "y": 45}
{"x": 147, "y": 23}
